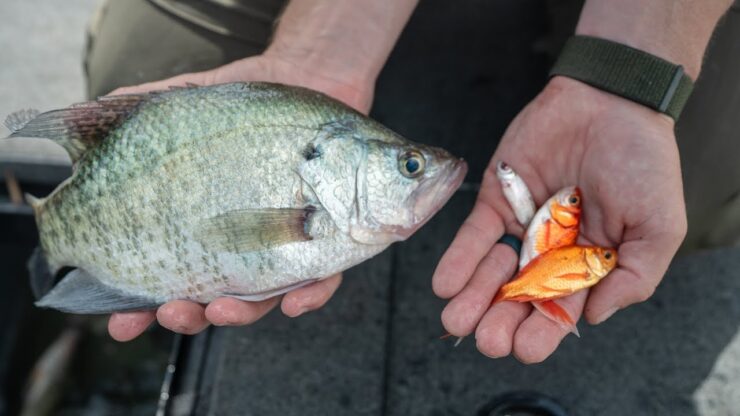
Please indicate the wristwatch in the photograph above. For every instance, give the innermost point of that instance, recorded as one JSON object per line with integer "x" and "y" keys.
{"x": 625, "y": 71}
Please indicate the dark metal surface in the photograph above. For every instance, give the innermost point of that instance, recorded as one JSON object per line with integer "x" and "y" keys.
{"x": 15, "y": 299}
{"x": 38, "y": 173}
{"x": 328, "y": 362}
{"x": 102, "y": 376}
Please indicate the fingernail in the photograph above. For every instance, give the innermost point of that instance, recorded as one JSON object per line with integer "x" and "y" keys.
{"x": 300, "y": 312}
{"x": 606, "y": 315}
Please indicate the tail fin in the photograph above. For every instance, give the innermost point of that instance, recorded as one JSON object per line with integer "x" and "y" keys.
{"x": 42, "y": 279}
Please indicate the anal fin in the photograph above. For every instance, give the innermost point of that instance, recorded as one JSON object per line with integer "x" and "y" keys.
{"x": 81, "y": 293}
{"x": 256, "y": 297}
{"x": 557, "y": 314}
{"x": 41, "y": 277}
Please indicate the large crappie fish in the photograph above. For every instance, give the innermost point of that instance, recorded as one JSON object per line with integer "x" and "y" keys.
{"x": 246, "y": 190}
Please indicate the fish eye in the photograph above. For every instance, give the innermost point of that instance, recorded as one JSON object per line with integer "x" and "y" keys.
{"x": 411, "y": 164}
{"x": 608, "y": 255}
{"x": 574, "y": 199}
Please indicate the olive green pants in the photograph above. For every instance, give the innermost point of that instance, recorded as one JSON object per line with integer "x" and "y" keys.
{"x": 137, "y": 41}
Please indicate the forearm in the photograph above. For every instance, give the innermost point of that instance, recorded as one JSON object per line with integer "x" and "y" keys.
{"x": 675, "y": 30}
{"x": 349, "y": 40}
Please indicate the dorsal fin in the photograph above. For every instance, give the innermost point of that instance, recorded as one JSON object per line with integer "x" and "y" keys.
{"x": 19, "y": 119}
{"x": 78, "y": 127}
{"x": 186, "y": 86}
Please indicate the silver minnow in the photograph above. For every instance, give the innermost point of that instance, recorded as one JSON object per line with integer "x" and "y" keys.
{"x": 246, "y": 190}
{"x": 516, "y": 193}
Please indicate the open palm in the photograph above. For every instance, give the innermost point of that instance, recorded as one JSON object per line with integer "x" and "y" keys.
{"x": 624, "y": 158}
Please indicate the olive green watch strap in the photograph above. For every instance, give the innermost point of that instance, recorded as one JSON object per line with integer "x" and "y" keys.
{"x": 627, "y": 72}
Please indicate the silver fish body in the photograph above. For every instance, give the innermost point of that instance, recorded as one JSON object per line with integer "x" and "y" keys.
{"x": 244, "y": 190}
{"x": 516, "y": 193}
{"x": 544, "y": 215}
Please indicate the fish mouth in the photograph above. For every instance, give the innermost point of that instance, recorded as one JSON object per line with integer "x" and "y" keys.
{"x": 431, "y": 196}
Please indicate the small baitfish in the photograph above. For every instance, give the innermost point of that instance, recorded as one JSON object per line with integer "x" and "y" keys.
{"x": 556, "y": 224}
{"x": 516, "y": 193}
{"x": 558, "y": 273}
{"x": 246, "y": 190}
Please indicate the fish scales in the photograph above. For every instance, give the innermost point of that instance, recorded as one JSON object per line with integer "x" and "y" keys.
{"x": 100, "y": 183}
{"x": 128, "y": 216}
{"x": 559, "y": 272}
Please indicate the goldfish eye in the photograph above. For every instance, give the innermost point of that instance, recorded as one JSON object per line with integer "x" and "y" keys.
{"x": 574, "y": 200}
{"x": 411, "y": 164}
{"x": 608, "y": 255}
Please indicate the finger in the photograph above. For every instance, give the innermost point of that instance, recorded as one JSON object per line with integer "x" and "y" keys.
{"x": 232, "y": 312}
{"x": 310, "y": 297}
{"x": 538, "y": 336}
{"x": 129, "y": 325}
{"x": 476, "y": 236}
{"x": 641, "y": 266}
{"x": 494, "y": 335}
{"x": 182, "y": 316}
{"x": 464, "y": 311}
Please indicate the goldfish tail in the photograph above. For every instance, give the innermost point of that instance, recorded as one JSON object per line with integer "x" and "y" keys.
{"x": 556, "y": 313}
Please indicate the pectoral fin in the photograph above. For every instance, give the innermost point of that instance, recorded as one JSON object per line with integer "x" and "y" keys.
{"x": 252, "y": 230}
{"x": 79, "y": 292}
{"x": 556, "y": 313}
{"x": 542, "y": 239}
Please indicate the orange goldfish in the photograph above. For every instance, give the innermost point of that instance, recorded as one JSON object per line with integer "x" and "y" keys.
{"x": 557, "y": 273}
{"x": 555, "y": 225}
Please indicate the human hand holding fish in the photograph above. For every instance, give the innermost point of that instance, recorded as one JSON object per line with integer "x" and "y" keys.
{"x": 624, "y": 159}
{"x": 221, "y": 194}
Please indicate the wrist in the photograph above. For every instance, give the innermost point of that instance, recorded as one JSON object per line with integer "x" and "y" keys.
{"x": 594, "y": 104}
{"x": 347, "y": 40}
{"x": 675, "y": 30}
{"x": 318, "y": 62}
